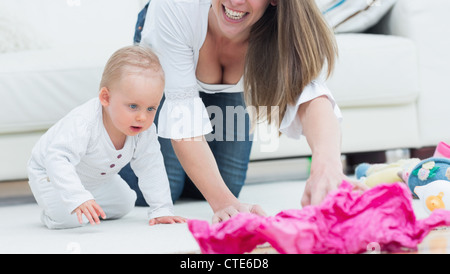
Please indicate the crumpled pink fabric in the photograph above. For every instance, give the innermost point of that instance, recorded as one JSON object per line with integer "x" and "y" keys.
{"x": 346, "y": 222}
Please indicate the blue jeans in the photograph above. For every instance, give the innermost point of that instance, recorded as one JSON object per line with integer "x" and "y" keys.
{"x": 230, "y": 145}
{"x": 140, "y": 24}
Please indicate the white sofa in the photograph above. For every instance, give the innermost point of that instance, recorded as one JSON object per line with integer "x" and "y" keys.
{"x": 390, "y": 87}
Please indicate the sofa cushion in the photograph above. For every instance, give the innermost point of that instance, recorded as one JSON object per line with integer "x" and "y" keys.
{"x": 75, "y": 22}
{"x": 427, "y": 24}
{"x": 17, "y": 33}
{"x": 57, "y": 80}
{"x": 354, "y": 15}
{"x": 375, "y": 70}
{"x": 40, "y": 87}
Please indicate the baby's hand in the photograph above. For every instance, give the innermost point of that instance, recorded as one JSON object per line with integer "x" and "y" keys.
{"x": 167, "y": 220}
{"x": 91, "y": 210}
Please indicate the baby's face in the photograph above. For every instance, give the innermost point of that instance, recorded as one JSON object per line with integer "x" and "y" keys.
{"x": 133, "y": 101}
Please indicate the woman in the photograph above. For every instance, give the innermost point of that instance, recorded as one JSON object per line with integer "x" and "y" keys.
{"x": 268, "y": 52}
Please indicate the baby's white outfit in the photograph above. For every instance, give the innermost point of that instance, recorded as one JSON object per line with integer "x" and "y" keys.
{"x": 76, "y": 161}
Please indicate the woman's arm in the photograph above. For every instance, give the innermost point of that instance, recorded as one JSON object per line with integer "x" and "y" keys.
{"x": 198, "y": 161}
{"x": 322, "y": 131}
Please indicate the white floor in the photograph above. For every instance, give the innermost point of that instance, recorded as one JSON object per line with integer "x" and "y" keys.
{"x": 22, "y": 232}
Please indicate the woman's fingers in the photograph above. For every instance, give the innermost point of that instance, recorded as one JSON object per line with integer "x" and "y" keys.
{"x": 257, "y": 209}
{"x": 230, "y": 211}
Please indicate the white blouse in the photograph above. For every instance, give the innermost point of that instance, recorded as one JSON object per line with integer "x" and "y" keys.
{"x": 176, "y": 30}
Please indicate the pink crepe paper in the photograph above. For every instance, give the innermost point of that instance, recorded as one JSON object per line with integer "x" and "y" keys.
{"x": 346, "y": 222}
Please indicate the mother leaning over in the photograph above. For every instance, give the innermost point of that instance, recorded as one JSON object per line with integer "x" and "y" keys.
{"x": 219, "y": 53}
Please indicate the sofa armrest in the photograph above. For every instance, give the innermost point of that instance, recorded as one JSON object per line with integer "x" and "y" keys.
{"x": 426, "y": 24}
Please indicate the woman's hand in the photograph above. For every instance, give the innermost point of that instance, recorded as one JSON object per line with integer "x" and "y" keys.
{"x": 230, "y": 211}
{"x": 167, "y": 220}
{"x": 199, "y": 163}
{"x": 323, "y": 133}
{"x": 325, "y": 176}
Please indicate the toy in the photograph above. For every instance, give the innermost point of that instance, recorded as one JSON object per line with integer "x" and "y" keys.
{"x": 414, "y": 172}
{"x": 428, "y": 171}
{"x": 442, "y": 150}
{"x": 375, "y": 174}
{"x": 435, "y": 195}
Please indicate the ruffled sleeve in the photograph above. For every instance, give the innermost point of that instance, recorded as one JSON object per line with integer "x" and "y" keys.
{"x": 291, "y": 125}
{"x": 183, "y": 115}
{"x": 171, "y": 30}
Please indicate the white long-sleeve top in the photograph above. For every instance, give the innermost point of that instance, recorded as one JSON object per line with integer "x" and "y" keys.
{"x": 176, "y": 30}
{"x": 77, "y": 154}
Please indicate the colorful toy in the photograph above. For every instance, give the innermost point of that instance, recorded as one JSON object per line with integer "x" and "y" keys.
{"x": 414, "y": 172}
{"x": 428, "y": 180}
{"x": 428, "y": 171}
{"x": 442, "y": 150}
{"x": 435, "y": 195}
{"x": 375, "y": 174}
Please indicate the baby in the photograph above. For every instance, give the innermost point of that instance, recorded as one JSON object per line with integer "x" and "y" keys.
{"x": 73, "y": 170}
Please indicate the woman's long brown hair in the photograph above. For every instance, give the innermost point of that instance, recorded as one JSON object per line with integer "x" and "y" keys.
{"x": 288, "y": 48}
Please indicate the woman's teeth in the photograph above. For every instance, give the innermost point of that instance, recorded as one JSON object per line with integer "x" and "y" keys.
{"x": 235, "y": 15}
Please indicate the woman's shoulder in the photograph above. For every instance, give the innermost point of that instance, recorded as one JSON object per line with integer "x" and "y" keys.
{"x": 190, "y": 10}
{"x": 191, "y": 2}
{"x": 183, "y": 5}
{"x": 184, "y": 20}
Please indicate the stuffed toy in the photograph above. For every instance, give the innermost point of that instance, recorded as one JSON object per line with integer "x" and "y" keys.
{"x": 428, "y": 171}
{"x": 375, "y": 174}
{"x": 414, "y": 172}
{"x": 435, "y": 195}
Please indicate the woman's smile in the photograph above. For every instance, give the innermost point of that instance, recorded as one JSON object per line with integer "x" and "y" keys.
{"x": 234, "y": 19}
{"x": 233, "y": 15}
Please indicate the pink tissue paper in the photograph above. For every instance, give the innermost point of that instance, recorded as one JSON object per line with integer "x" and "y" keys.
{"x": 346, "y": 222}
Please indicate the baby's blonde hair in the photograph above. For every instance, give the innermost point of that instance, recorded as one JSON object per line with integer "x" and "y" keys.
{"x": 130, "y": 59}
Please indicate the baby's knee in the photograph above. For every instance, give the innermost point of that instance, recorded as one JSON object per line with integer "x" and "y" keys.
{"x": 129, "y": 202}
{"x": 122, "y": 208}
